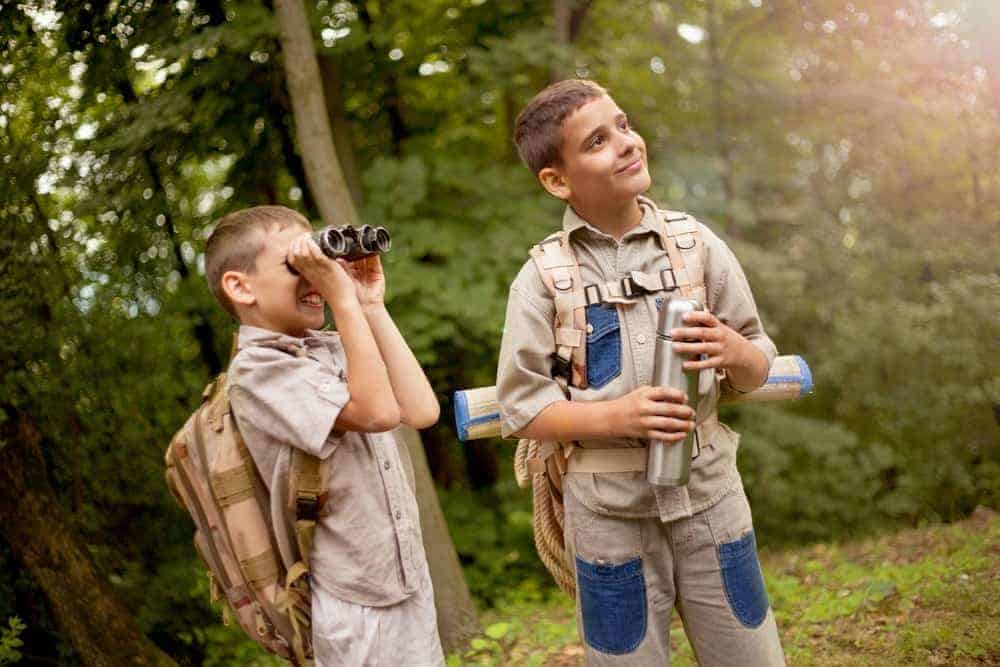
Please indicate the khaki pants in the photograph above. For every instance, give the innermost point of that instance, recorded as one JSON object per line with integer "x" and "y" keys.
{"x": 631, "y": 573}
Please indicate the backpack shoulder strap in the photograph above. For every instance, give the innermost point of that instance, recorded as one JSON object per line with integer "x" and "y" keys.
{"x": 307, "y": 490}
{"x": 681, "y": 237}
{"x": 560, "y": 273}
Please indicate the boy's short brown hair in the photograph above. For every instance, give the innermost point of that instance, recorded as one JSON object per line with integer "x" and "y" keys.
{"x": 237, "y": 240}
{"x": 538, "y": 130}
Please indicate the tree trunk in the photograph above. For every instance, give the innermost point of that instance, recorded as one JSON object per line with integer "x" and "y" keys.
{"x": 312, "y": 124}
{"x": 456, "y": 615}
{"x": 720, "y": 122}
{"x": 457, "y": 620}
{"x": 333, "y": 93}
{"x": 83, "y": 605}
{"x": 567, "y": 19}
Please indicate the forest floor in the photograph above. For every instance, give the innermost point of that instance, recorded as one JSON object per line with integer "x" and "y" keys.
{"x": 926, "y": 596}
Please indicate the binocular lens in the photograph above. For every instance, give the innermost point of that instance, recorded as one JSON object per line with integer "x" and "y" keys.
{"x": 382, "y": 240}
{"x": 332, "y": 242}
{"x": 374, "y": 239}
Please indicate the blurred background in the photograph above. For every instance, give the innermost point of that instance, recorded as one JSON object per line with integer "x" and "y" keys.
{"x": 849, "y": 152}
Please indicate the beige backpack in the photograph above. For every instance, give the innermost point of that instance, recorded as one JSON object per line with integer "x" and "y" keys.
{"x": 544, "y": 464}
{"x": 212, "y": 475}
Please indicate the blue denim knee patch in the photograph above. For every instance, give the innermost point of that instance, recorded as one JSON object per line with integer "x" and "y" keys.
{"x": 743, "y": 581}
{"x": 604, "y": 345}
{"x": 613, "y": 605}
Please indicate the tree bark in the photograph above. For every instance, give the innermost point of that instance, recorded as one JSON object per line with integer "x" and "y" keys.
{"x": 567, "y": 19}
{"x": 83, "y": 605}
{"x": 333, "y": 93}
{"x": 721, "y": 130}
{"x": 312, "y": 125}
{"x": 456, "y": 614}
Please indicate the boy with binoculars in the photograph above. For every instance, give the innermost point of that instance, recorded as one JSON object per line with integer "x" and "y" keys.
{"x": 336, "y": 396}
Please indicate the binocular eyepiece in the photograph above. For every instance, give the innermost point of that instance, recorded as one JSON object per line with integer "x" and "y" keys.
{"x": 350, "y": 242}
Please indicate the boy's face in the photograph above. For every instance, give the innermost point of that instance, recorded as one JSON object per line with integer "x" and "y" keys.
{"x": 603, "y": 158}
{"x": 272, "y": 297}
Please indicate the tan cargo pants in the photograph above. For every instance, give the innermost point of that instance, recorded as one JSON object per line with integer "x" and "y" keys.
{"x": 631, "y": 573}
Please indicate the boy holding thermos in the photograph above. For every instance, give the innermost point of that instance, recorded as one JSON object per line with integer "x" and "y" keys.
{"x": 576, "y": 367}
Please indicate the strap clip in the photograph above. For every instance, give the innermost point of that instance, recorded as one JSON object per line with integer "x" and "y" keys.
{"x": 672, "y": 285}
{"x": 307, "y": 508}
{"x": 562, "y": 368}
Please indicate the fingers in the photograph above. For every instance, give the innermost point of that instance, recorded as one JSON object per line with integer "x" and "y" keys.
{"x": 701, "y": 318}
{"x": 666, "y": 436}
{"x": 662, "y": 409}
{"x": 716, "y": 361}
{"x": 711, "y": 348}
{"x": 668, "y": 424}
{"x": 663, "y": 394}
{"x": 706, "y": 333}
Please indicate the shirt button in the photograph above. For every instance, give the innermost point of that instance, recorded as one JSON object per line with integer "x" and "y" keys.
{"x": 386, "y": 465}
{"x": 398, "y": 515}
{"x": 590, "y": 328}
{"x": 641, "y": 338}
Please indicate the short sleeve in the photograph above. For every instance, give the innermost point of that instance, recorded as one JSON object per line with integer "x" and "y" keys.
{"x": 729, "y": 295}
{"x": 525, "y": 385}
{"x": 289, "y": 399}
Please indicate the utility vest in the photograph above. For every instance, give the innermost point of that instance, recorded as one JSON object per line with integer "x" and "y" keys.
{"x": 543, "y": 464}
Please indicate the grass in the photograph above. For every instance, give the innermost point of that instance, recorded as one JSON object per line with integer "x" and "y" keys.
{"x": 926, "y": 596}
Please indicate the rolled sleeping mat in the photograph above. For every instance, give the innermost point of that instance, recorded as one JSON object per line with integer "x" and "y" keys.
{"x": 477, "y": 414}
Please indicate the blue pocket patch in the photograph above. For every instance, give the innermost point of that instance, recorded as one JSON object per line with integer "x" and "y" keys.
{"x": 743, "y": 581}
{"x": 613, "y": 605}
{"x": 604, "y": 345}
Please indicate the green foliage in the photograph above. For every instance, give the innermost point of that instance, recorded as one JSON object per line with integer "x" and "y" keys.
{"x": 10, "y": 641}
{"x": 809, "y": 479}
{"x": 495, "y": 541}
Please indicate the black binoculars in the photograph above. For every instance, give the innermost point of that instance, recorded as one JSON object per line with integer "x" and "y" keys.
{"x": 350, "y": 242}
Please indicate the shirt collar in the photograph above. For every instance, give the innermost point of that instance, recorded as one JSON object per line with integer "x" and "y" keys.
{"x": 250, "y": 336}
{"x": 647, "y": 224}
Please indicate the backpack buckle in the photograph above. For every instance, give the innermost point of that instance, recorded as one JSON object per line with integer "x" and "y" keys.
{"x": 306, "y": 508}
{"x": 673, "y": 279}
{"x": 562, "y": 368}
{"x": 630, "y": 288}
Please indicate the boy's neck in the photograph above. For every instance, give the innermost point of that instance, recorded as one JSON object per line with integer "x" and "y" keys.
{"x": 616, "y": 221}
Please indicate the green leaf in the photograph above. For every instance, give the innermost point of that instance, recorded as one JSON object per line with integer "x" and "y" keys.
{"x": 498, "y": 630}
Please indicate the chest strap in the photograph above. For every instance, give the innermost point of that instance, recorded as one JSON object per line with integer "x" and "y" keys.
{"x": 636, "y": 283}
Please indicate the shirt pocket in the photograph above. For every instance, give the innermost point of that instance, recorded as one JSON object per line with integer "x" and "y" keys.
{"x": 604, "y": 345}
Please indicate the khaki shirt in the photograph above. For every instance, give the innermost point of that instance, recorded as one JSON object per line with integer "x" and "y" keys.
{"x": 620, "y": 346}
{"x": 287, "y": 392}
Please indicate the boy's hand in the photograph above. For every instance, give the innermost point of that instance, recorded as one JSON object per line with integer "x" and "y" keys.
{"x": 369, "y": 280}
{"x": 707, "y": 336}
{"x": 653, "y": 413}
{"x": 325, "y": 274}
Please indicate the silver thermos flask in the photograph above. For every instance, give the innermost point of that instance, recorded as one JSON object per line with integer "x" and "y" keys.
{"x": 669, "y": 463}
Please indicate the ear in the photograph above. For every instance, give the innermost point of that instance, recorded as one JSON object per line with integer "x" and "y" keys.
{"x": 553, "y": 181}
{"x": 236, "y": 286}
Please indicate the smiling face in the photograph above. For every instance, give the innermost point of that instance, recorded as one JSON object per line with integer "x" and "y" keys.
{"x": 271, "y": 296}
{"x": 603, "y": 160}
